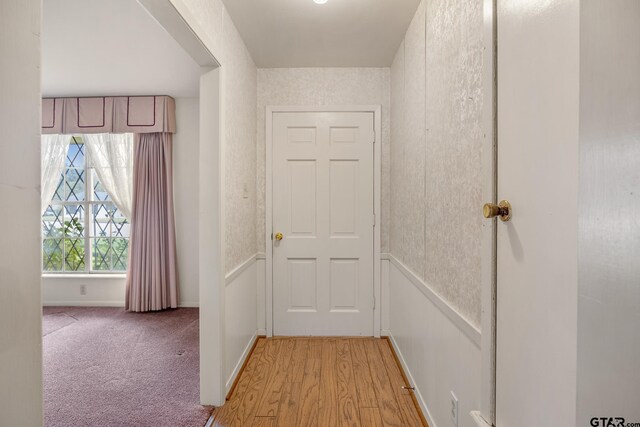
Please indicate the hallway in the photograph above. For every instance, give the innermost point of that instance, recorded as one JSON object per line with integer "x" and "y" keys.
{"x": 320, "y": 382}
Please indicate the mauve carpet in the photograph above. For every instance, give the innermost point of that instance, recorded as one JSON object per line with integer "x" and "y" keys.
{"x": 104, "y": 367}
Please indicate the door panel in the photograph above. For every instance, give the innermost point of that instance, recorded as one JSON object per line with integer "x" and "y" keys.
{"x": 538, "y": 82}
{"x": 323, "y": 206}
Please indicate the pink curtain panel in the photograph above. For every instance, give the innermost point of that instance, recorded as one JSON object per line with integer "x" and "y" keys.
{"x": 152, "y": 276}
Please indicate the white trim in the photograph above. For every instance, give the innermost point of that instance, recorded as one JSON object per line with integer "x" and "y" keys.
{"x": 472, "y": 332}
{"x": 377, "y": 210}
{"x": 261, "y": 255}
{"x": 385, "y": 256}
{"x": 236, "y": 272}
{"x": 377, "y": 164}
{"x": 83, "y": 303}
{"x": 268, "y": 300}
{"x": 238, "y": 367}
{"x": 189, "y": 304}
{"x": 412, "y": 383}
{"x": 83, "y": 276}
{"x": 477, "y": 417}
{"x": 211, "y": 251}
{"x": 173, "y": 21}
{"x": 184, "y": 304}
{"x": 489, "y": 193}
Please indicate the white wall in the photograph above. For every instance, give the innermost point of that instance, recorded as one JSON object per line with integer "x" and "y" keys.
{"x": 322, "y": 87}
{"x": 440, "y": 353}
{"x": 105, "y": 290}
{"x": 240, "y": 317}
{"x": 186, "y": 149}
{"x": 609, "y": 203}
{"x": 211, "y": 22}
{"x": 435, "y": 230}
{"x": 20, "y": 316}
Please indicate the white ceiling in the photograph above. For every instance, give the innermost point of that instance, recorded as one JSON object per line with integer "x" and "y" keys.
{"x": 340, "y": 33}
{"x": 111, "y": 47}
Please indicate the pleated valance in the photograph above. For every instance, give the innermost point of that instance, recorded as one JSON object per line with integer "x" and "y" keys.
{"x": 109, "y": 114}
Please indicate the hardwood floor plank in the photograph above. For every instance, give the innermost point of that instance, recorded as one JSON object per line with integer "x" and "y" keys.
{"x": 309, "y": 394}
{"x": 387, "y": 403}
{"x": 289, "y": 405}
{"x": 348, "y": 413}
{"x": 246, "y": 411}
{"x": 315, "y": 349}
{"x": 298, "y": 359}
{"x": 225, "y": 414}
{"x": 320, "y": 382}
{"x": 404, "y": 397}
{"x": 364, "y": 382}
{"x": 268, "y": 406}
{"x": 263, "y": 422}
{"x": 328, "y": 402}
{"x": 371, "y": 417}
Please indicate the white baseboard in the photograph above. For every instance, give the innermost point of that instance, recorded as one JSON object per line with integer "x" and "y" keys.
{"x": 416, "y": 391}
{"x": 385, "y": 333}
{"x": 189, "y": 304}
{"x": 83, "y": 303}
{"x": 240, "y": 363}
{"x": 480, "y": 421}
{"x": 262, "y": 332}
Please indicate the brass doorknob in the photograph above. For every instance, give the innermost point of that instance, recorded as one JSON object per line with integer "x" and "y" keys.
{"x": 502, "y": 210}
{"x": 279, "y": 236}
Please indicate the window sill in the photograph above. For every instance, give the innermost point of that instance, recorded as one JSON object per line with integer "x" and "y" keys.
{"x": 85, "y": 276}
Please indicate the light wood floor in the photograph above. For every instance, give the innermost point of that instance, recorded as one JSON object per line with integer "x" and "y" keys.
{"x": 299, "y": 382}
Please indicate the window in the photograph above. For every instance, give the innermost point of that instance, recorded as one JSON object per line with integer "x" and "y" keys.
{"x": 83, "y": 230}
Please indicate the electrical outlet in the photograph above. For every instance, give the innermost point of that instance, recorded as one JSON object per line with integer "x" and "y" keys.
{"x": 83, "y": 289}
{"x": 454, "y": 409}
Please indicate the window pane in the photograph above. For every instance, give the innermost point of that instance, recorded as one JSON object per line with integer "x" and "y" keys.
{"x": 52, "y": 222}
{"x": 99, "y": 192}
{"x": 74, "y": 254}
{"x": 59, "y": 194}
{"x": 101, "y": 255}
{"x": 120, "y": 248}
{"x": 73, "y": 221}
{"x": 52, "y": 255}
{"x": 119, "y": 225}
{"x": 74, "y": 185}
{"x": 75, "y": 154}
{"x": 101, "y": 225}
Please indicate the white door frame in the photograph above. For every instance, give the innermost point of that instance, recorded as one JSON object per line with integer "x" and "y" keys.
{"x": 489, "y": 230}
{"x": 377, "y": 170}
{"x": 175, "y": 17}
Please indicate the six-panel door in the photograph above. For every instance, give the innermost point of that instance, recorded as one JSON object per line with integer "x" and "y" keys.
{"x": 323, "y": 206}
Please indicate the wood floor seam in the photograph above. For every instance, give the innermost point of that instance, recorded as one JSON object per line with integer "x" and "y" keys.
{"x": 320, "y": 382}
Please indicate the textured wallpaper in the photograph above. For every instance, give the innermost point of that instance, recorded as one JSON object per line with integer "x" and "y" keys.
{"x": 240, "y": 89}
{"x": 322, "y": 86}
{"x": 436, "y": 149}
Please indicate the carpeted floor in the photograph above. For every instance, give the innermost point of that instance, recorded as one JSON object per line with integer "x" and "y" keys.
{"x": 104, "y": 367}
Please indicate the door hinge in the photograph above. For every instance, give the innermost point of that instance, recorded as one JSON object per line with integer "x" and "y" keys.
{"x": 271, "y": 236}
{"x": 374, "y": 219}
{"x": 374, "y": 137}
{"x": 374, "y": 302}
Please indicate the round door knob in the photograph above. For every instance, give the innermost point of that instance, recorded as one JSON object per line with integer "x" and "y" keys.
{"x": 502, "y": 210}
{"x": 279, "y": 236}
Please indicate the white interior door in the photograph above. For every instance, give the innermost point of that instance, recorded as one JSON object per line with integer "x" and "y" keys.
{"x": 323, "y": 206}
{"x": 538, "y": 83}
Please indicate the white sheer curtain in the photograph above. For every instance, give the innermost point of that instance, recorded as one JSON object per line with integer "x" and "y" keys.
{"x": 53, "y": 156}
{"x": 111, "y": 155}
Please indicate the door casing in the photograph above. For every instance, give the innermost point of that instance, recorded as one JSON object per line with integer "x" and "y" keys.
{"x": 377, "y": 111}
